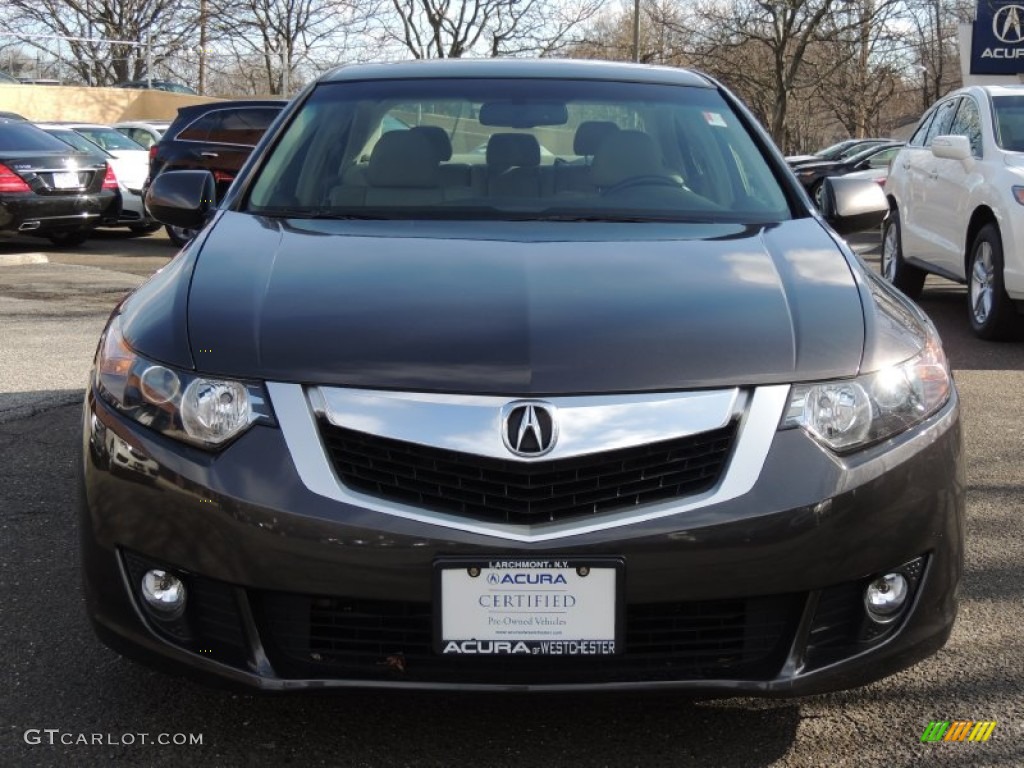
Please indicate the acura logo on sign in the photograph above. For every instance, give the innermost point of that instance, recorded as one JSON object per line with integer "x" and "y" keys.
{"x": 1007, "y": 24}
{"x": 529, "y": 428}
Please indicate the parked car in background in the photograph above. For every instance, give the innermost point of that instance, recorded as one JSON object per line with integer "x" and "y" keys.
{"x": 143, "y": 132}
{"x": 157, "y": 85}
{"x": 489, "y": 422}
{"x": 133, "y": 211}
{"x": 838, "y": 151}
{"x": 50, "y": 189}
{"x": 217, "y": 137}
{"x": 812, "y": 175}
{"x": 956, "y": 194}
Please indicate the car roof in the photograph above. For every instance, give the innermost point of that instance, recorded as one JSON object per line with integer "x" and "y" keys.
{"x": 517, "y": 68}
{"x": 192, "y": 110}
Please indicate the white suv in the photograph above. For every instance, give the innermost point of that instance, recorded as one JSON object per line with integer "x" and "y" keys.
{"x": 956, "y": 193}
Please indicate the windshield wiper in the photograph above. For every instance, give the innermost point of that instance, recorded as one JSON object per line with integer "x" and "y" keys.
{"x": 285, "y": 212}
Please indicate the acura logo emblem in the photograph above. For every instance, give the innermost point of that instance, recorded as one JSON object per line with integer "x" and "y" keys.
{"x": 529, "y": 428}
{"x": 1008, "y": 24}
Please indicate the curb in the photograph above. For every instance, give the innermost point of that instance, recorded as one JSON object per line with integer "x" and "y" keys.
{"x": 20, "y": 259}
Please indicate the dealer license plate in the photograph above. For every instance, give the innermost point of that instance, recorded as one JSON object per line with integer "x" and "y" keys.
{"x": 528, "y": 607}
{"x": 66, "y": 181}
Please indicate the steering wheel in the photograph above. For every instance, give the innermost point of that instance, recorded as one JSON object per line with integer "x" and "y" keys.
{"x": 647, "y": 180}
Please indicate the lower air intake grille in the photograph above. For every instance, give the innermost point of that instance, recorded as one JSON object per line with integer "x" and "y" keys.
{"x": 384, "y": 640}
{"x": 498, "y": 490}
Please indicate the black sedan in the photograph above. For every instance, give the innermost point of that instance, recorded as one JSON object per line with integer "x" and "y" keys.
{"x": 49, "y": 189}
{"x": 631, "y": 415}
{"x": 812, "y": 175}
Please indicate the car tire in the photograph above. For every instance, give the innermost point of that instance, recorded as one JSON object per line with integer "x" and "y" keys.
{"x": 180, "y": 236}
{"x": 68, "y": 239}
{"x": 907, "y": 278}
{"x": 145, "y": 229}
{"x": 991, "y": 312}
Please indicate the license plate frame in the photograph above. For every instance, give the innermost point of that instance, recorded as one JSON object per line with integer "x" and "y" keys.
{"x": 521, "y": 639}
{"x": 66, "y": 180}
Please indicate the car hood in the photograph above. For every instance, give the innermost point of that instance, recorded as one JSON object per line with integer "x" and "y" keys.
{"x": 525, "y": 308}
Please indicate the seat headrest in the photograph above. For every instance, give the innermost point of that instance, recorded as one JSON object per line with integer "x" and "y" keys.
{"x": 403, "y": 159}
{"x": 507, "y": 150}
{"x": 624, "y": 154}
{"x": 439, "y": 138}
{"x": 590, "y": 134}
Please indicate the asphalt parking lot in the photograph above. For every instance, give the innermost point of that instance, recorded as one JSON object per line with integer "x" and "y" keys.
{"x": 55, "y": 675}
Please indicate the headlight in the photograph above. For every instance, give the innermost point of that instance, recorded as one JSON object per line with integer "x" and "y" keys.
{"x": 204, "y": 411}
{"x": 852, "y": 413}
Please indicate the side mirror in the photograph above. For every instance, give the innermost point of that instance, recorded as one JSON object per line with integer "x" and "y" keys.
{"x": 182, "y": 198}
{"x": 853, "y": 205}
{"x": 951, "y": 147}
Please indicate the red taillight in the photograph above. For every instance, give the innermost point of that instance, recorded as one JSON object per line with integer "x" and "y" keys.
{"x": 12, "y": 182}
{"x": 222, "y": 176}
{"x": 152, "y": 152}
{"x": 110, "y": 180}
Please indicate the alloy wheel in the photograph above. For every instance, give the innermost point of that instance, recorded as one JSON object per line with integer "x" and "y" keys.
{"x": 982, "y": 276}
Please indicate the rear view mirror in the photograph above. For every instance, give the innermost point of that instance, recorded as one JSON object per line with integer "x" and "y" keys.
{"x": 951, "y": 147}
{"x": 523, "y": 114}
{"x": 853, "y": 205}
{"x": 182, "y": 198}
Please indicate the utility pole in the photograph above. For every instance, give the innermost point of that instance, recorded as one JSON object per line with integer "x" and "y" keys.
{"x": 202, "y": 47}
{"x": 636, "y": 30}
{"x": 149, "y": 60}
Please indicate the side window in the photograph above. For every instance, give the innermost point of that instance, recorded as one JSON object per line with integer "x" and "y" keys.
{"x": 943, "y": 119}
{"x": 968, "y": 123}
{"x": 199, "y": 130}
{"x": 882, "y": 159}
{"x": 242, "y": 126}
{"x": 917, "y": 140}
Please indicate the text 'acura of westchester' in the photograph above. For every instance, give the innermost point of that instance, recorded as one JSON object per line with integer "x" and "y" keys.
{"x": 520, "y": 375}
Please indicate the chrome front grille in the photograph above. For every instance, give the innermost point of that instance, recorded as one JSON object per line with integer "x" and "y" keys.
{"x": 516, "y": 492}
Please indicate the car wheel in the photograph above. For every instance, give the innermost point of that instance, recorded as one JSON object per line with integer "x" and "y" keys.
{"x": 180, "y": 236}
{"x": 68, "y": 239}
{"x": 907, "y": 278}
{"x": 990, "y": 309}
{"x": 145, "y": 229}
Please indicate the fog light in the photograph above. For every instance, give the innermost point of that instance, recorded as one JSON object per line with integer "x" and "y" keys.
{"x": 885, "y": 597}
{"x": 164, "y": 593}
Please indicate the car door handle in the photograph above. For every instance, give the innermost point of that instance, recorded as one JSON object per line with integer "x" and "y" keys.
{"x": 209, "y": 154}
{"x": 933, "y": 175}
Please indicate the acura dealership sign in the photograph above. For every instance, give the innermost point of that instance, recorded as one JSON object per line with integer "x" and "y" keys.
{"x": 998, "y": 39}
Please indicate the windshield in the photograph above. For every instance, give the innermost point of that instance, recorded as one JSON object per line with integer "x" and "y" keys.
{"x": 77, "y": 141}
{"x": 23, "y": 136}
{"x": 518, "y": 149}
{"x": 1009, "y": 122}
{"x": 108, "y": 139}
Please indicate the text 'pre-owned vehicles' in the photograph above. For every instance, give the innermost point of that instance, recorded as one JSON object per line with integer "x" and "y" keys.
{"x": 957, "y": 197}
{"x": 625, "y": 414}
{"x": 48, "y": 188}
{"x": 216, "y": 137}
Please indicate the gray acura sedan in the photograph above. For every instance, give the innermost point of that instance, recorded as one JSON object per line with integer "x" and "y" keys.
{"x": 624, "y": 413}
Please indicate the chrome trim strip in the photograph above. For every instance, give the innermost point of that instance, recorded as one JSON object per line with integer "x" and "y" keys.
{"x": 473, "y": 424}
{"x": 298, "y": 424}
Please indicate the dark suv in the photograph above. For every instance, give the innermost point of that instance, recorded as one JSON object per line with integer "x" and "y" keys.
{"x": 217, "y": 137}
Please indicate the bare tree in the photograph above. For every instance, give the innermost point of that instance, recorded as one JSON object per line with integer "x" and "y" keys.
{"x": 283, "y": 34}
{"x": 437, "y": 29}
{"x": 168, "y": 24}
{"x": 860, "y": 63}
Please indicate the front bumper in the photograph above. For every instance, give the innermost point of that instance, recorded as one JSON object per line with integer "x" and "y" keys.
{"x": 761, "y": 594}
